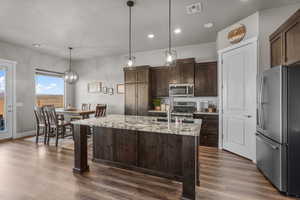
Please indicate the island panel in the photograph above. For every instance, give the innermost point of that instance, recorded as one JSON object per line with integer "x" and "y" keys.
{"x": 144, "y": 145}
{"x": 152, "y": 153}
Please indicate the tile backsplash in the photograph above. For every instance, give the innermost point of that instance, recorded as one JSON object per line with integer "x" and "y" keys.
{"x": 202, "y": 102}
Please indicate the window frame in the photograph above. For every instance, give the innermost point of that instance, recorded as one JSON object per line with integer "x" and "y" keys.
{"x": 43, "y": 72}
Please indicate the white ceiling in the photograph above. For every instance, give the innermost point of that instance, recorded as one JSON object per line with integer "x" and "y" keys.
{"x": 100, "y": 27}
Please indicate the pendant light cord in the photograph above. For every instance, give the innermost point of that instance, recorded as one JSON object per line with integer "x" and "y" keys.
{"x": 70, "y": 60}
{"x": 129, "y": 32}
{"x": 170, "y": 35}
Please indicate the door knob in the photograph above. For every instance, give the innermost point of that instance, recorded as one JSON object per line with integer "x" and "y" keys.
{"x": 248, "y": 116}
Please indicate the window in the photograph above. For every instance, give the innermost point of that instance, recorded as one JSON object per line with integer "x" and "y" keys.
{"x": 50, "y": 89}
{"x": 2, "y": 99}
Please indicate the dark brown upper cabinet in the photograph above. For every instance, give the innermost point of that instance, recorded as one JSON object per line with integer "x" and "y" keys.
{"x": 206, "y": 79}
{"x": 173, "y": 75}
{"x": 136, "y": 74}
{"x": 276, "y": 51}
{"x": 161, "y": 77}
{"x": 137, "y": 90}
{"x": 183, "y": 72}
{"x": 160, "y": 81}
{"x": 285, "y": 42}
{"x": 186, "y": 70}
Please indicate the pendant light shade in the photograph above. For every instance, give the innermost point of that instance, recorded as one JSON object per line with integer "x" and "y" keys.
{"x": 171, "y": 57}
{"x": 131, "y": 58}
{"x": 170, "y": 54}
{"x": 70, "y": 76}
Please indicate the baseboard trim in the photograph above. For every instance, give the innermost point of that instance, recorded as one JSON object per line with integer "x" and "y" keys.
{"x": 24, "y": 134}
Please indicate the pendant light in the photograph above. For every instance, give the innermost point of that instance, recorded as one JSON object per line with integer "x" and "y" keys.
{"x": 131, "y": 59}
{"x": 70, "y": 76}
{"x": 170, "y": 54}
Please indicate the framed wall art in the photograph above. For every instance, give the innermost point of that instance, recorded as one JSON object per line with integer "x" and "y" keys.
{"x": 104, "y": 90}
{"x": 111, "y": 91}
{"x": 120, "y": 89}
{"x": 94, "y": 87}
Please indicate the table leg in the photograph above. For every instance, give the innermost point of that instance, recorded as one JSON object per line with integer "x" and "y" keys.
{"x": 80, "y": 148}
{"x": 189, "y": 159}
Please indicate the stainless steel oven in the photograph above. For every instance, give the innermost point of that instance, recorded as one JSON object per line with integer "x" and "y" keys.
{"x": 184, "y": 109}
{"x": 181, "y": 90}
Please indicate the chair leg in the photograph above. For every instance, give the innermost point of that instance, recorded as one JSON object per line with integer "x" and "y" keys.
{"x": 63, "y": 132}
{"x": 45, "y": 134}
{"x": 48, "y": 135}
{"x": 37, "y": 134}
{"x": 72, "y": 131}
{"x": 57, "y": 132}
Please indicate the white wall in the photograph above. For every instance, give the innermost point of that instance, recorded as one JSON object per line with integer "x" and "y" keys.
{"x": 27, "y": 60}
{"x": 109, "y": 71}
{"x": 261, "y": 24}
{"x": 269, "y": 21}
{"x": 252, "y": 27}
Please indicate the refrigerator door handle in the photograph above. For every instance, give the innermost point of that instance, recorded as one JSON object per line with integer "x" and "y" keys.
{"x": 262, "y": 123}
{"x": 266, "y": 142}
{"x": 259, "y": 106}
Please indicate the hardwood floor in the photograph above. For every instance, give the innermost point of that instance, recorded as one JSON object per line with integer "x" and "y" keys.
{"x": 30, "y": 172}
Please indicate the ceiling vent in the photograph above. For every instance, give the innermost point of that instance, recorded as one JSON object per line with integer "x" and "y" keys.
{"x": 194, "y": 8}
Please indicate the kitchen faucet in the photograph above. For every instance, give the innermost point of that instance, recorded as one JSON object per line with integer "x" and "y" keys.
{"x": 169, "y": 111}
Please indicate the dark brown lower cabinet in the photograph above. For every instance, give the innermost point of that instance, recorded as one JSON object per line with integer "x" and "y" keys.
{"x": 153, "y": 153}
{"x": 160, "y": 152}
{"x": 165, "y": 155}
{"x": 209, "y": 135}
{"x": 125, "y": 147}
{"x": 104, "y": 148}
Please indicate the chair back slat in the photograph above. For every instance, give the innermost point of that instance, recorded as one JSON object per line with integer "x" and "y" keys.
{"x": 85, "y": 106}
{"x": 51, "y": 116}
{"x": 100, "y": 111}
{"x": 39, "y": 115}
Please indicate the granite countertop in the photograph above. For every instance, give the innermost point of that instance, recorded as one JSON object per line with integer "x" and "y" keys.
{"x": 206, "y": 113}
{"x": 142, "y": 123}
{"x": 196, "y": 113}
{"x": 156, "y": 111}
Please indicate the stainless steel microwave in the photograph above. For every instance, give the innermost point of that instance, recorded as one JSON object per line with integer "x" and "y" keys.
{"x": 181, "y": 90}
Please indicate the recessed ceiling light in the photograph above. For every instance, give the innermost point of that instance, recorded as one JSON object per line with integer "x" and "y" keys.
{"x": 151, "y": 35}
{"x": 37, "y": 45}
{"x": 208, "y": 25}
{"x": 177, "y": 31}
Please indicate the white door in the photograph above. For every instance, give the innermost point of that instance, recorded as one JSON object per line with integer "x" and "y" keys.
{"x": 239, "y": 71}
{"x": 6, "y": 100}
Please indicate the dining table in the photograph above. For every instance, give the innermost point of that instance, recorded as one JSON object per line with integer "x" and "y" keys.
{"x": 75, "y": 112}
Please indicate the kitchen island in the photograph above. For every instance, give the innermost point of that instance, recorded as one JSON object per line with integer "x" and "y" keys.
{"x": 142, "y": 144}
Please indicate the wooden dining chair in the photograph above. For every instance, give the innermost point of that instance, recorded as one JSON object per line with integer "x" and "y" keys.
{"x": 41, "y": 123}
{"x": 100, "y": 111}
{"x": 86, "y": 106}
{"x": 57, "y": 128}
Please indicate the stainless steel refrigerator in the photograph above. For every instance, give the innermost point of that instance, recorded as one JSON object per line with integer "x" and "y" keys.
{"x": 278, "y": 127}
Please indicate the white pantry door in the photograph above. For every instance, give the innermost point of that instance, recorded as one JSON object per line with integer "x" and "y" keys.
{"x": 239, "y": 70}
